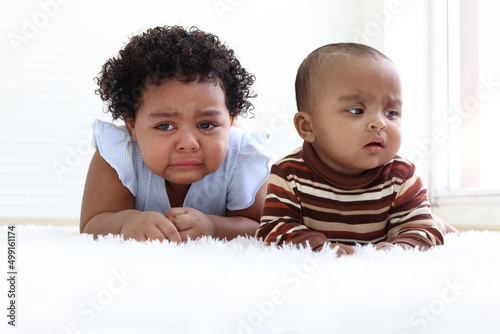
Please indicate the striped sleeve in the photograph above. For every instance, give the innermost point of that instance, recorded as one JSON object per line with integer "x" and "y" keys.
{"x": 282, "y": 221}
{"x": 411, "y": 221}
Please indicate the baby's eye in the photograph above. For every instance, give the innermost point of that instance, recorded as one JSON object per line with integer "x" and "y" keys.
{"x": 165, "y": 127}
{"x": 356, "y": 111}
{"x": 392, "y": 113}
{"x": 206, "y": 126}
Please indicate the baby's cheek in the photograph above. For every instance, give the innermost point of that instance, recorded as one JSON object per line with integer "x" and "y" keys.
{"x": 215, "y": 158}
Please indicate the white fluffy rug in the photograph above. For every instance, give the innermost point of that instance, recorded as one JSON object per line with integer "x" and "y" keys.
{"x": 70, "y": 283}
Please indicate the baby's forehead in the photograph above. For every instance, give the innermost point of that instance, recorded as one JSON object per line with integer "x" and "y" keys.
{"x": 341, "y": 60}
{"x": 343, "y": 70}
{"x": 335, "y": 66}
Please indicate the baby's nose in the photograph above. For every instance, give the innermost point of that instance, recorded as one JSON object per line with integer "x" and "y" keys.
{"x": 378, "y": 124}
{"x": 187, "y": 142}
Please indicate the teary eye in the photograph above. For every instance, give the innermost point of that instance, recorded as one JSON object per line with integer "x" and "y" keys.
{"x": 165, "y": 127}
{"x": 206, "y": 125}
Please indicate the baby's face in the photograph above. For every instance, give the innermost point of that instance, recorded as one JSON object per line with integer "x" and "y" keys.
{"x": 182, "y": 129}
{"x": 356, "y": 117}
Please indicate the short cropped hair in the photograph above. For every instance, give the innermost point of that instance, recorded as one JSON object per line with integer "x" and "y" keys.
{"x": 313, "y": 65}
{"x": 172, "y": 52}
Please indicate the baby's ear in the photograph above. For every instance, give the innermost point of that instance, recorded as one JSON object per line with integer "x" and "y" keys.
{"x": 130, "y": 124}
{"x": 302, "y": 121}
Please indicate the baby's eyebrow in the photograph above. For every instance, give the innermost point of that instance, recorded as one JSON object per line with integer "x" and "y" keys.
{"x": 163, "y": 114}
{"x": 395, "y": 101}
{"x": 209, "y": 113}
{"x": 367, "y": 97}
{"x": 355, "y": 97}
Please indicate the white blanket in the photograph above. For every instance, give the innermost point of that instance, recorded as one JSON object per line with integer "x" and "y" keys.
{"x": 69, "y": 283}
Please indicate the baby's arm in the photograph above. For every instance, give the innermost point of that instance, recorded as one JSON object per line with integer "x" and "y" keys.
{"x": 193, "y": 223}
{"x": 412, "y": 223}
{"x": 282, "y": 220}
{"x": 242, "y": 222}
{"x": 108, "y": 207}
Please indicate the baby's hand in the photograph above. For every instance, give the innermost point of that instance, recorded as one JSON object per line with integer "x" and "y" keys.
{"x": 385, "y": 246}
{"x": 149, "y": 225}
{"x": 342, "y": 249}
{"x": 191, "y": 222}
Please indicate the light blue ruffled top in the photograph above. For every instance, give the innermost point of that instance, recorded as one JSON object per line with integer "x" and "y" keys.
{"x": 233, "y": 186}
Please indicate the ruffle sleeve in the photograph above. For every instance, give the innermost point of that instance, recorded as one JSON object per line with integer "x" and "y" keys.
{"x": 117, "y": 148}
{"x": 251, "y": 169}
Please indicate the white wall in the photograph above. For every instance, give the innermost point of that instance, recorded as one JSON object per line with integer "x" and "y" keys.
{"x": 50, "y": 51}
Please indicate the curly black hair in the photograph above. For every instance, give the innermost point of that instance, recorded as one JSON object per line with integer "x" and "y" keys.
{"x": 172, "y": 52}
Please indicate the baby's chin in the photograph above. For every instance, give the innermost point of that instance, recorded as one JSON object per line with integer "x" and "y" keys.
{"x": 378, "y": 164}
{"x": 185, "y": 180}
{"x": 360, "y": 169}
{"x": 187, "y": 177}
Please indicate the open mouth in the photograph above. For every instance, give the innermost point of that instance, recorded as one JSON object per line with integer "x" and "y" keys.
{"x": 375, "y": 145}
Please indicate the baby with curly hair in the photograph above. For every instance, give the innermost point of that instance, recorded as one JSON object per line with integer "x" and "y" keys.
{"x": 178, "y": 169}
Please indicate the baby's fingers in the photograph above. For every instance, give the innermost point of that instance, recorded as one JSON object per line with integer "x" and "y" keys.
{"x": 343, "y": 249}
{"x": 183, "y": 222}
{"x": 184, "y": 225}
{"x": 169, "y": 231}
{"x": 383, "y": 245}
{"x": 172, "y": 213}
{"x": 350, "y": 250}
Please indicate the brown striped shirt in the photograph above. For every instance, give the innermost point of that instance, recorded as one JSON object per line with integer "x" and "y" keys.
{"x": 309, "y": 203}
